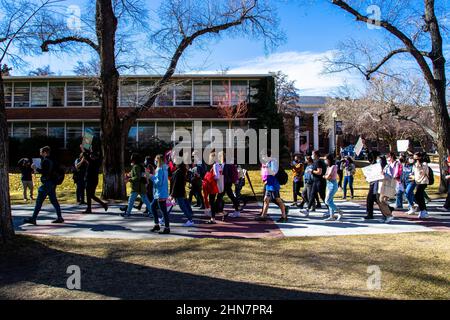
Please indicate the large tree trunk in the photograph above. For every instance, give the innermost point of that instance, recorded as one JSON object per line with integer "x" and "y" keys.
{"x": 6, "y": 225}
{"x": 112, "y": 148}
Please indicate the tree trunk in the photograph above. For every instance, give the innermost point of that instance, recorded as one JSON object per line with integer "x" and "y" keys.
{"x": 112, "y": 147}
{"x": 6, "y": 225}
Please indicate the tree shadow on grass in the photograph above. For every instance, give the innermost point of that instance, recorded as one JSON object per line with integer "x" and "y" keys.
{"x": 35, "y": 262}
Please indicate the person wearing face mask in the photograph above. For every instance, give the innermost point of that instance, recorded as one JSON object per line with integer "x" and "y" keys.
{"x": 391, "y": 171}
{"x": 421, "y": 178}
{"x": 374, "y": 158}
{"x": 410, "y": 185}
{"x": 332, "y": 187}
{"x": 401, "y": 184}
{"x": 160, "y": 194}
{"x": 317, "y": 176}
{"x": 297, "y": 167}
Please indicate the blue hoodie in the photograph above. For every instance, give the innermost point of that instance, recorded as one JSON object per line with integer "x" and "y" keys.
{"x": 161, "y": 183}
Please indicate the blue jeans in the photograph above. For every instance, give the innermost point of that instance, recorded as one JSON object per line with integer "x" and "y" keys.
{"x": 332, "y": 188}
{"x": 159, "y": 205}
{"x": 48, "y": 188}
{"x": 409, "y": 193}
{"x": 399, "y": 201}
{"x": 185, "y": 207}
{"x": 348, "y": 180}
{"x": 132, "y": 199}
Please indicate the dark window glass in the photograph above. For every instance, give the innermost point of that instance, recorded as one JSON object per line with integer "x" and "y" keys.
{"x": 56, "y": 94}
{"x": 128, "y": 93}
{"x": 21, "y": 94}
{"x": 38, "y": 129}
{"x": 202, "y": 92}
{"x": 90, "y": 97}
{"x": 183, "y": 93}
{"x": 39, "y": 92}
{"x": 21, "y": 130}
{"x": 75, "y": 94}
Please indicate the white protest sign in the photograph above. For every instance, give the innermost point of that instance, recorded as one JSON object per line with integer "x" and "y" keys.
{"x": 373, "y": 172}
{"x": 37, "y": 163}
{"x": 359, "y": 146}
{"x": 402, "y": 145}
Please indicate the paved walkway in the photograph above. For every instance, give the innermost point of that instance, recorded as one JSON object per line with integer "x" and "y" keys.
{"x": 111, "y": 225}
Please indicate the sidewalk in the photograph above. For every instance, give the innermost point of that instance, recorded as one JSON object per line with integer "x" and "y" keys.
{"x": 112, "y": 225}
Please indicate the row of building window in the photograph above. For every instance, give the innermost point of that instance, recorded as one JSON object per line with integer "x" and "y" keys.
{"x": 82, "y": 93}
{"x": 140, "y": 134}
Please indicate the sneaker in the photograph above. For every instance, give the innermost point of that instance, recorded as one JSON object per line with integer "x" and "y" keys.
{"x": 411, "y": 212}
{"x": 306, "y": 213}
{"x": 423, "y": 215}
{"x": 30, "y": 221}
{"x": 165, "y": 231}
{"x": 234, "y": 214}
{"x": 294, "y": 204}
{"x": 330, "y": 219}
{"x": 123, "y": 208}
{"x": 389, "y": 219}
{"x": 338, "y": 216}
{"x": 382, "y": 220}
{"x": 58, "y": 220}
{"x": 105, "y": 207}
{"x": 189, "y": 223}
{"x": 156, "y": 228}
{"x": 161, "y": 221}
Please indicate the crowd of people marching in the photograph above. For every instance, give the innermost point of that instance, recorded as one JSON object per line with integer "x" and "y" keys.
{"x": 160, "y": 183}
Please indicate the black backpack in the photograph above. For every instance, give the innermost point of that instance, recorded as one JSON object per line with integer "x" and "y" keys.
{"x": 282, "y": 176}
{"x": 430, "y": 176}
{"x": 58, "y": 173}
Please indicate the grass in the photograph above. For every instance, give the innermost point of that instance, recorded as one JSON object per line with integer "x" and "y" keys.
{"x": 66, "y": 192}
{"x": 413, "y": 266}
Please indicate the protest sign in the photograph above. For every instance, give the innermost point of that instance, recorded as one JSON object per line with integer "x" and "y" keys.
{"x": 402, "y": 145}
{"x": 358, "y": 147}
{"x": 87, "y": 139}
{"x": 373, "y": 172}
{"x": 37, "y": 163}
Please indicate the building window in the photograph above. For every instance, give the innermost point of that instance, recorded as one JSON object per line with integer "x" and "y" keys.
{"x": 21, "y": 94}
{"x": 21, "y": 130}
{"x": 253, "y": 90}
{"x": 144, "y": 90}
{"x": 38, "y": 129}
{"x": 220, "y": 92}
{"x": 75, "y": 94}
{"x": 183, "y": 94}
{"x": 128, "y": 93}
{"x": 8, "y": 94}
{"x": 146, "y": 133}
{"x": 90, "y": 96}
{"x": 164, "y": 131}
{"x": 73, "y": 132}
{"x": 239, "y": 92}
{"x": 56, "y": 130}
{"x": 39, "y": 92}
{"x": 132, "y": 134}
{"x": 202, "y": 93}
{"x": 165, "y": 97}
{"x": 56, "y": 94}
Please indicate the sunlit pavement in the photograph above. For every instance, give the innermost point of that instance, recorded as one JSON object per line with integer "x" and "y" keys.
{"x": 112, "y": 225}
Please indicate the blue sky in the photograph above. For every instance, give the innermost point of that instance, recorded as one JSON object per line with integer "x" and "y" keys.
{"x": 312, "y": 31}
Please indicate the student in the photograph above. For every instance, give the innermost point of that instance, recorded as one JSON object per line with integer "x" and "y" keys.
{"x": 230, "y": 177}
{"x": 272, "y": 189}
{"x": 93, "y": 164}
{"x": 150, "y": 169}
{"x": 178, "y": 192}
{"x": 332, "y": 187}
{"x": 401, "y": 184}
{"x": 48, "y": 187}
{"x": 26, "y": 177}
{"x": 420, "y": 176}
{"x": 391, "y": 172}
{"x": 308, "y": 181}
{"x": 349, "y": 169}
{"x": 138, "y": 180}
{"x": 410, "y": 185}
{"x": 79, "y": 176}
{"x": 210, "y": 190}
{"x": 446, "y": 206}
{"x": 339, "y": 172}
{"x": 317, "y": 176}
{"x": 297, "y": 168}
{"x": 196, "y": 175}
{"x": 160, "y": 194}
{"x": 372, "y": 198}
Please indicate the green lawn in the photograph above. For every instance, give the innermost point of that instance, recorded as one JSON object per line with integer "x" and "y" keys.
{"x": 412, "y": 265}
{"x": 66, "y": 192}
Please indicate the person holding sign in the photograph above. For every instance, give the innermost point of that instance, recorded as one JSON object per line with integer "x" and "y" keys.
{"x": 421, "y": 178}
{"x": 387, "y": 188}
{"x": 375, "y": 160}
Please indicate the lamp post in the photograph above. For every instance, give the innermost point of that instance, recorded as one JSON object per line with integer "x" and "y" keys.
{"x": 334, "y": 115}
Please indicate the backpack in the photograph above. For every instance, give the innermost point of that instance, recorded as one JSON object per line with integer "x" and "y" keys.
{"x": 58, "y": 173}
{"x": 281, "y": 176}
{"x": 430, "y": 176}
{"x": 209, "y": 184}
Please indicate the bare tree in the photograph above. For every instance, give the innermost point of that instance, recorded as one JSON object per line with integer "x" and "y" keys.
{"x": 286, "y": 93}
{"x": 414, "y": 30}
{"x": 41, "y": 71}
{"x": 385, "y": 112}
{"x": 181, "y": 24}
{"x": 15, "y": 29}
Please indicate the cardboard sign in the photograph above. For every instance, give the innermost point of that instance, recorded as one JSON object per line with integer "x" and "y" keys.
{"x": 87, "y": 139}
{"x": 359, "y": 146}
{"x": 402, "y": 145}
{"x": 373, "y": 172}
